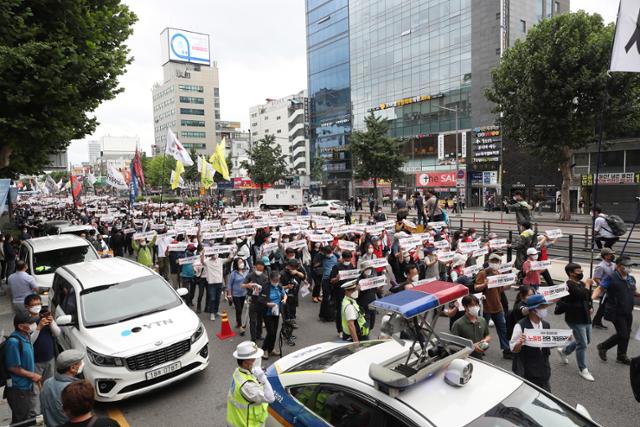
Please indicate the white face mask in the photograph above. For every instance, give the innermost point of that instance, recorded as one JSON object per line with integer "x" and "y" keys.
{"x": 494, "y": 265}
{"x": 80, "y": 368}
{"x": 346, "y": 263}
{"x": 627, "y": 270}
{"x": 32, "y": 328}
{"x": 415, "y": 278}
{"x": 542, "y": 312}
{"x": 241, "y": 266}
{"x": 474, "y": 310}
{"x": 370, "y": 250}
{"x": 355, "y": 295}
{"x": 35, "y": 309}
{"x": 258, "y": 273}
{"x": 533, "y": 257}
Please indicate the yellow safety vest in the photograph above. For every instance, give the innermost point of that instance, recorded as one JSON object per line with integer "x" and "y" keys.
{"x": 361, "y": 321}
{"x": 241, "y": 412}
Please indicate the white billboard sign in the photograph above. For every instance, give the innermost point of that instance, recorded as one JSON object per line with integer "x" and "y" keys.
{"x": 185, "y": 46}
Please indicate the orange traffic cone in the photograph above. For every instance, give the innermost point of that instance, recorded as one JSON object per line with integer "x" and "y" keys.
{"x": 225, "y": 328}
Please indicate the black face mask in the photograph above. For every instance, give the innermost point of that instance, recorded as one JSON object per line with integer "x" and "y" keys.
{"x": 579, "y": 277}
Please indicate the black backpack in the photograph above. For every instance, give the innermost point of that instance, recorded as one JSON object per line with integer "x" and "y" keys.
{"x": 616, "y": 225}
{"x": 4, "y": 372}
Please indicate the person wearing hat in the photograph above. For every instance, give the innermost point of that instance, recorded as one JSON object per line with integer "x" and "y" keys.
{"x": 605, "y": 268}
{"x": 354, "y": 323}
{"x": 19, "y": 362}
{"x": 532, "y": 363}
{"x": 621, "y": 291}
{"x": 250, "y": 392}
{"x": 69, "y": 365}
{"x": 143, "y": 251}
{"x": 457, "y": 267}
{"x": 337, "y": 293}
{"x": 493, "y": 308}
{"x": 531, "y": 277}
{"x": 272, "y": 297}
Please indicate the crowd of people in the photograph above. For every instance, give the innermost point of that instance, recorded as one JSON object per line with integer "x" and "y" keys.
{"x": 262, "y": 263}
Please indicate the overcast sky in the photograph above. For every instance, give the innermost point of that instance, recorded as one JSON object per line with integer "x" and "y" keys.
{"x": 259, "y": 47}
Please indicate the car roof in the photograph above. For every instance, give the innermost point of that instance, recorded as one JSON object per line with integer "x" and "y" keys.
{"x": 71, "y": 228}
{"x": 51, "y": 243}
{"x": 441, "y": 403}
{"x": 106, "y": 271}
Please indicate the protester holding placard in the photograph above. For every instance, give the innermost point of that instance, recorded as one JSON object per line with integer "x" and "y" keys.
{"x": 214, "y": 273}
{"x": 621, "y": 291}
{"x": 492, "y": 306}
{"x": 604, "y": 269}
{"x": 544, "y": 242}
{"x": 337, "y": 293}
{"x": 143, "y": 251}
{"x": 577, "y": 307}
{"x": 328, "y": 305}
{"x": 532, "y": 363}
{"x": 519, "y": 310}
{"x": 531, "y": 276}
{"x": 472, "y": 326}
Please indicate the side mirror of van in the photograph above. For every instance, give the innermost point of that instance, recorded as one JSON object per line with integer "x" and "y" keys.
{"x": 182, "y": 291}
{"x": 66, "y": 320}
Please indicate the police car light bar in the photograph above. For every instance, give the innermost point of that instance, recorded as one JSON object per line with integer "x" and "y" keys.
{"x": 423, "y": 298}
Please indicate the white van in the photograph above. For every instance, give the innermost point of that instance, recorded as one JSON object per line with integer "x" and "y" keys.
{"x": 138, "y": 333}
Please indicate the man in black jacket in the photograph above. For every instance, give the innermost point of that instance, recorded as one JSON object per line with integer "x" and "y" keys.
{"x": 577, "y": 307}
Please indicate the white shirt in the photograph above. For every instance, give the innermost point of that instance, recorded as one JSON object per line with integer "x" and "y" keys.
{"x": 601, "y": 227}
{"x": 214, "y": 269}
{"x": 257, "y": 393}
{"x": 162, "y": 244}
{"x": 351, "y": 312}
{"x": 517, "y": 332}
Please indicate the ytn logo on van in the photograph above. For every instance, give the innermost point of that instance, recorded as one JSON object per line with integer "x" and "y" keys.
{"x": 146, "y": 326}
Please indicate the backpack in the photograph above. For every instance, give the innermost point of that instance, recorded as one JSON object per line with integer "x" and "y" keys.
{"x": 4, "y": 372}
{"x": 616, "y": 225}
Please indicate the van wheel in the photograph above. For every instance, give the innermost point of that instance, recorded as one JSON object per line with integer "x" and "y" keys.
{"x": 325, "y": 214}
{"x": 263, "y": 207}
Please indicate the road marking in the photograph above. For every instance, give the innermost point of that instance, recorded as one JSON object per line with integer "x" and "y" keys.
{"x": 117, "y": 415}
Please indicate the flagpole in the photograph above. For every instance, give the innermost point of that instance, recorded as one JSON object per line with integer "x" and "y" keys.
{"x": 164, "y": 158}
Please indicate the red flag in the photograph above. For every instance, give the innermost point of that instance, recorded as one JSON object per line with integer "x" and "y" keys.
{"x": 137, "y": 167}
{"x": 76, "y": 188}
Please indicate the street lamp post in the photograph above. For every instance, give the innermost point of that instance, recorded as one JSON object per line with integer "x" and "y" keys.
{"x": 456, "y": 110}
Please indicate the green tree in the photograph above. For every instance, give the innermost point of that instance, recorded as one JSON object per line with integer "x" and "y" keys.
{"x": 191, "y": 172}
{"x": 152, "y": 168}
{"x": 58, "y": 175}
{"x": 58, "y": 62}
{"x": 317, "y": 163}
{"x": 266, "y": 163}
{"x": 376, "y": 155}
{"x": 549, "y": 91}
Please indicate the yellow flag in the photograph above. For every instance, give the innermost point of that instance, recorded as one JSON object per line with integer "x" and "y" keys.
{"x": 218, "y": 161}
{"x": 176, "y": 175}
{"x": 206, "y": 174}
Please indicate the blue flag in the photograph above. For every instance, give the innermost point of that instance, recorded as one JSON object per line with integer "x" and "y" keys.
{"x": 134, "y": 184}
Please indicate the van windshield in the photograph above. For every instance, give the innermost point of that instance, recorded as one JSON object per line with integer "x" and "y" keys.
{"x": 47, "y": 262}
{"x": 119, "y": 302}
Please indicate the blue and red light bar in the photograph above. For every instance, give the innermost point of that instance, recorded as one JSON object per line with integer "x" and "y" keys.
{"x": 412, "y": 302}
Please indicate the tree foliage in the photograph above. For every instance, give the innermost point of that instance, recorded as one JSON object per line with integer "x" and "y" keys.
{"x": 549, "y": 90}
{"x": 191, "y": 172}
{"x": 266, "y": 163}
{"x": 58, "y": 61}
{"x": 152, "y": 167}
{"x": 315, "y": 168}
{"x": 376, "y": 155}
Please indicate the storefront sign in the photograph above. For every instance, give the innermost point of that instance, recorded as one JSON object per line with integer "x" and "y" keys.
{"x": 436, "y": 179}
{"x": 610, "y": 179}
{"x": 487, "y": 143}
{"x": 407, "y": 101}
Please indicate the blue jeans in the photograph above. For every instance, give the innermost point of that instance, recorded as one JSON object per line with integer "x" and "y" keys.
{"x": 213, "y": 295}
{"x": 581, "y": 338}
{"x": 501, "y": 327}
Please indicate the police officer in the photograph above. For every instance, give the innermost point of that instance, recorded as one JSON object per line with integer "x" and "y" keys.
{"x": 354, "y": 323}
{"x": 621, "y": 290}
{"x": 250, "y": 392}
{"x": 532, "y": 363}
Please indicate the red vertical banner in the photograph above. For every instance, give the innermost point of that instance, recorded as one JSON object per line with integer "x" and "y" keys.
{"x": 76, "y": 189}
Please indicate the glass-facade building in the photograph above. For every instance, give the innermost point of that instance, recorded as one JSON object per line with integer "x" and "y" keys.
{"x": 329, "y": 92}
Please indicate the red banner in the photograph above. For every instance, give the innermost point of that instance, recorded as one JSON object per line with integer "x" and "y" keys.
{"x": 436, "y": 179}
{"x": 76, "y": 188}
{"x": 246, "y": 184}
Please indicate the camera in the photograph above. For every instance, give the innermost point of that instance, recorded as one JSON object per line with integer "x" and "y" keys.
{"x": 458, "y": 373}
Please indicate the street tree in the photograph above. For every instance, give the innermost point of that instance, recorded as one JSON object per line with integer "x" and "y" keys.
{"x": 549, "y": 91}
{"x": 191, "y": 172}
{"x": 153, "y": 170}
{"x": 376, "y": 155}
{"x": 317, "y": 163}
{"x": 266, "y": 163}
{"x": 58, "y": 63}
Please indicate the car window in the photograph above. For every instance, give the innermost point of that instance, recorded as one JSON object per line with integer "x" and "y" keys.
{"x": 47, "y": 262}
{"x": 303, "y": 393}
{"x": 64, "y": 296}
{"x": 332, "y": 357}
{"x": 341, "y": 408}
{"x": 102, "y": 305}
{"x": 527, "y": 406}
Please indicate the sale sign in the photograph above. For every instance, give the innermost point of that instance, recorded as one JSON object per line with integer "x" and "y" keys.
{"x": 436, "y": 179}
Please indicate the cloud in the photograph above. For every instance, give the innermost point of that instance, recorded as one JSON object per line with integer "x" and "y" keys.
{"x": 608, "y": 9}
{"x": 259, "y": 46}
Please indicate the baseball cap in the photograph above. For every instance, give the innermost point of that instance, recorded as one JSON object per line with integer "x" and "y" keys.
{"x": 495, "y": 257}
{"x": 23, "y": 317}
{"x": 607, "y": 251}
{"x": 532, "y": 251}
{"x": 68, "y": 358}
{"x": 266, "y": 261}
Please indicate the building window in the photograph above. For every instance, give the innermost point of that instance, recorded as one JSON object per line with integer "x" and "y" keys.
{"x": 611, "y": 162}
{"x": 189, "y": 146}
{"x": 254, "y": 124}
{"x": 266, "y": 117}
{"x": 216, "y": 91}
{"x": 548, "y": 12}
{"x": 191, "y": 100}
{"x": 539, "y": 10}
{"x": 278, "y": 118}
{"x": 557, "y": 8}
{"x": 190, "y": 134}
{"x": 266, "y": 131}
{"x": 194, "y": 123}
{"x": 192, "y": 111}
{"x": 191, "y": 88}
{"x": 279, "y": 131}
{"x": 217, "y": 115}
{"x": 523, "y": 25}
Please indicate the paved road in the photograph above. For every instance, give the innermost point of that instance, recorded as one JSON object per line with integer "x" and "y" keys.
{"x": 201, "y": 400}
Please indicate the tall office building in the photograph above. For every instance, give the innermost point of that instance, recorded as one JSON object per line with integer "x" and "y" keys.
{"x": 287, "y": 119}
{"x": 94, "y": 151}
{"x": 329, "y": 94}
{"x": 188, "y": 99}
{"x": 424, "y": 65}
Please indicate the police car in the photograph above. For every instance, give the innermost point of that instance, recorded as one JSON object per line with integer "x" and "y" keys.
{"x": 137, "y": 332}
{"x": 421, "y": 378}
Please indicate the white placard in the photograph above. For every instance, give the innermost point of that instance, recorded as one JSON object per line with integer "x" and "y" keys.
{"x": 158, "y": 226}
{"x": 480, "y": 252}
{"x": 294, "y": 229}
{"x": 296, "y": 244}
{"x": 374, "y": 282}
{"x": 218, "y": 249}
{"x": 424, "y": 281}
{"x": 471, "y": 270}
{"x": 553, "y": 293}
{"x": 501, "y": 280}
{"x": 321, "y": 238}
{"x": 553, "y": 234}
{"x": 346, "y": 245}
{"x": 441, "y": 244}
{"x": 437, "y": 224}
{"x": 358, "y": 229}
{"x": 212, "y": 235}
{"x": 348, "y": 274}
{"x": 374, "y": 229}
{"x": 129, "y": 230}
{"x": 267, "y": 248}
{"x": 547, "y": 338}
{"x": 147, "y": 235}
{"x": 188, "y": 260}
{"x": 408, "y": 223}
{"x": 375, "y": 263}
{"x": 337, "y": 231}
{"x": 445, "y": 256}
{"x": 468, "y": 247}
{"x": 410, "y": 242}
{"x": 177, "y": 247}
{"x": 506, "y": 267}
{"x": 497, "y": 243}
{"x": 540, "y": 265}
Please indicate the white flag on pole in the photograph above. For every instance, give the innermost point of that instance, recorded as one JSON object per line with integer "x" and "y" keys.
{"x": 115, "y": 178}
{"x": 626, "y": 45}
{"x": 176, "y": 149}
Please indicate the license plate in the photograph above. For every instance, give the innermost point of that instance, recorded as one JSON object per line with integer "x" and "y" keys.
{"x": 163, "y": 371}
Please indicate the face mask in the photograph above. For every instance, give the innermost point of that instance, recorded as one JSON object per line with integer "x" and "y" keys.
{"x": 627, "y": 270}
{"x": 355, "y": 295}
{"x": 143, "y": 243}
{"x": 346, "y": 263}
{"x": 542, "y": 313}
{"x": 579, "y": 277}
{"x": 80, "y": 368}
{"x": 258, "y": 273}
{"x": 241, "y": 266}
{"x": 533, "y": 257}
{"x": 285, "y": 240}
{"x": 494, "y": 265}
{"x": 370, "y": 250}
{"x": 474, "y": 310}
{"x": 415, "y": 278}
{"x": 35, "y": 309}
{"x": 32, "y": 328}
